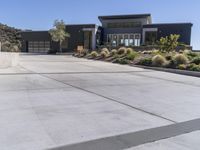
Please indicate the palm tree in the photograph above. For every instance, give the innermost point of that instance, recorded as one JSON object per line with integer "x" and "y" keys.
{"x": 58, "y": 33}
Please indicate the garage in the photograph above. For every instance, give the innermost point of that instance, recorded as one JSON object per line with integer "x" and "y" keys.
{"x": 38, "y": 46}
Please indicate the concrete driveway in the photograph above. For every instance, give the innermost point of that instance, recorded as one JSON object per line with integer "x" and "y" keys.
{"x": 62, "y": 102}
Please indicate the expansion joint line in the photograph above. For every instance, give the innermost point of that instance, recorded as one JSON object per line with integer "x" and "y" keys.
{"x": 111, "y": 99}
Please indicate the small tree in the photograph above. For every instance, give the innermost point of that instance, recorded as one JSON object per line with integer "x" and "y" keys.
{"x": 58, "y": 33}
{"x": 169, "y": 43}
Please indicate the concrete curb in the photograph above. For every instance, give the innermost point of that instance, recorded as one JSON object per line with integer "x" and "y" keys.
{"x": 175, "y": 71}
{"x": 124, "y": 141}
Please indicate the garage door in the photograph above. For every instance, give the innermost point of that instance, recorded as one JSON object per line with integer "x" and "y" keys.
{"x": 38, "y": 46}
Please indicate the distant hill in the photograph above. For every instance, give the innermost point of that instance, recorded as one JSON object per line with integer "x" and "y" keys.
{"x": 9, "y": 38}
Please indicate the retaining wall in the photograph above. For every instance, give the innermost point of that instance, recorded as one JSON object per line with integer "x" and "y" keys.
{"x": 8, "y": 59}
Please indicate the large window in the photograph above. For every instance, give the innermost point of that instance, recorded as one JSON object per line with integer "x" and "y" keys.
{"x": 137, "y": 39}
{"x": 120, "y": 40}
{"x": 114, "y": 40}
{"x": 124, "y": 25}
{"x": 150, "y": 37}
{"x": 131, "y": 40}
{"x": 124, "y": 39}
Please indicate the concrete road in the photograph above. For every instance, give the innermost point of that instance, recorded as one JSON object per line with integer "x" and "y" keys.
{"x": 62, "y": 102}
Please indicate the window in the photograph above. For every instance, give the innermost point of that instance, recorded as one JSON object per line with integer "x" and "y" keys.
{"x": 131, "y": 40}
{"x": 137, "y": 39}
{"x": 124, "y": 25}
{"x": 109, "y": 38}
{"x": 114, "y": 40}
{"x": 150, "y": 37}
{"x": 120, "y": 40}
{"x": 124, "y": 39}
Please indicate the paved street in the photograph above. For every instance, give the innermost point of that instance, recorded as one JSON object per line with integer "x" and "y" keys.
{"x": 62, "y": 102}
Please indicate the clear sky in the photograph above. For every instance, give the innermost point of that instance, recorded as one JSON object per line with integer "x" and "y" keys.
{"x": 40, "y": 14}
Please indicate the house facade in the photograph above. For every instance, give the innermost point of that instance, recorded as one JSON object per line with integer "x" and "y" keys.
{"x": 118, "y": 30}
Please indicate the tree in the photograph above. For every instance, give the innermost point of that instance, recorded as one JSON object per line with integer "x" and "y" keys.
{"x": 169, "y": 43}
{"x": 58, "y": 33}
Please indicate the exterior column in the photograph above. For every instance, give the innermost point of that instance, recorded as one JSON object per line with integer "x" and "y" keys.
{"x": 94, "y": 31}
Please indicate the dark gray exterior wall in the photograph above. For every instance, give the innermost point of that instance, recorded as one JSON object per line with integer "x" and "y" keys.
{"x": 183, "y": 29}
{"x": 37, "y": 36}
{"x": 76, "y": 35}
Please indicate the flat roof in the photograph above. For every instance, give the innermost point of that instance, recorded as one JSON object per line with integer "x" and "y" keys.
{"x": 35, "y": 31}
{"x": 164, "y": 24}
{"x": 130, "y": 16}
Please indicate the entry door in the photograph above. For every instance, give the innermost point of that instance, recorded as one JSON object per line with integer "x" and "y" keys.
{"x": 87, "y": 39}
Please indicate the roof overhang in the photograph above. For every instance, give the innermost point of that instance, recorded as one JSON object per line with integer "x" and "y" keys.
{"x": 132, "y": 16}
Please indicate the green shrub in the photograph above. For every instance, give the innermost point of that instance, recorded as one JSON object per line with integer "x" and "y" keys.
{"x": 105, "y": 50}
{"x": 132, "y": 55}
{"x": 180, "y": 59}
{"x": 121, "y": 61}
{"x": 171, "y": 64}
{"x": 129, "y": 50}
{"x": 194, "y": 67}
{"x": 155, "y": 52}
{"x": 196, "y": 60}
{"x": 103, "y": 54}
{"x": 145, "y": 61}
{"x": 168, "y": 57}
{"x": 190, "y": 53}
{"x": 93, "y": 54}
{"x": 158, "y": 60}
{"x": 169, "y": 43}
{"x": 113, "y": 52}
{"x": 146, "y": 52}
{"x": 122, "y": 51}
{"x": 182, "y": 67}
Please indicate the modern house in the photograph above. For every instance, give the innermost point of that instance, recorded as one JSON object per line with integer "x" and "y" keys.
{"x": 119, "y": 30}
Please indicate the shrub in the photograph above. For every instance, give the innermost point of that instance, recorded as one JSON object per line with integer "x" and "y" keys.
{"x": 146, "y": 52}
{"x": 196, "y": 60}
{"x": 194, "y": 67}
{"x": 158, "y": 60}
{"x": 93, "y": 54}
{"x": 182, "y": 67}
{"x": 132, "y": 55}
{"x": 129, "y": 50}
{"x": 145, "y": 61}
{"x": 121, "y": 51}
{"x": 105, "y": 50}
{"x": 155, "y": 52}
{"x": 190, "y": 53}
{"x": 180, "y": 59}
{"x": 103, "y": 54}
{"x": 113, "y": 52}
{"x": 169, "y": 43}
{"x": 171, "y": 64}
{"x": 121, "y": 61}
{"x": 168, "y": 57}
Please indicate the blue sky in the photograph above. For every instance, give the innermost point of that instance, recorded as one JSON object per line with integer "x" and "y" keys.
{"x": 40, "y": 14}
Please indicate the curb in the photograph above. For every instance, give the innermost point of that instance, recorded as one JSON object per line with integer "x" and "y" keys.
{"x": 175, "y": 71}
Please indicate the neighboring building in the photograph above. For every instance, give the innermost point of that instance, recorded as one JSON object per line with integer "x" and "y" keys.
{"x": 120, "y": 30}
